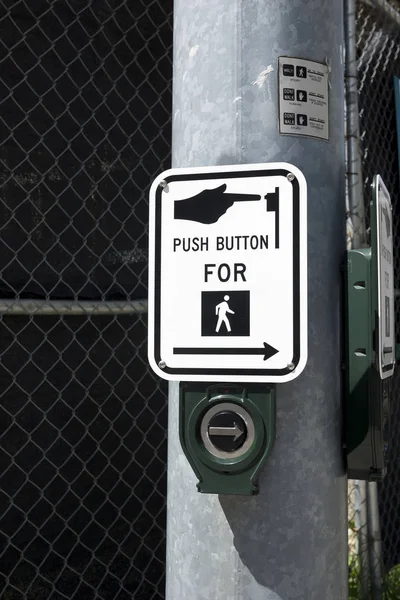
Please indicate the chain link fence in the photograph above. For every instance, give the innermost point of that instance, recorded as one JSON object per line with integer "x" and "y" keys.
{"x": 85, "y": 93}
{"x": 85, "y": 97}
{"x": 378, "y": 62}
{"x": 378, "y": 45}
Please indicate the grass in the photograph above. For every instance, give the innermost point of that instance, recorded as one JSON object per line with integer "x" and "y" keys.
{"x": 391, "y": 582}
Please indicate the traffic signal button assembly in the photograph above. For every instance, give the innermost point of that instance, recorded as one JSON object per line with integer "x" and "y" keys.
{"x": 370, "y": 344}
{"x": 226, "y": 432}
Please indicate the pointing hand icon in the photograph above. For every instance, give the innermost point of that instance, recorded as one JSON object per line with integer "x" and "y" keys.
{"x": 209, "y": 205}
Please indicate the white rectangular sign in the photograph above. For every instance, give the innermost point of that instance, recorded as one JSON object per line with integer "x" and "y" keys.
{"x": 228, "y": 273}
{"x": 386, "y": 337}
{"x": 303, "y": 97}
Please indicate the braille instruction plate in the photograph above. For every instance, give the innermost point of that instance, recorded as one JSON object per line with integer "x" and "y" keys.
{"x": 303, "y": 97}
{"x": 383, "y": 254}
{"x": 228, "y": 273}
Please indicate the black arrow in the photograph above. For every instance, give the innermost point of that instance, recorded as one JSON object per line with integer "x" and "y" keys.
{"x": 267, "y": 351}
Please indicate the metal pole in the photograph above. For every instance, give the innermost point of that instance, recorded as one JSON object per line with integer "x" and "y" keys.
{"x": 354, "y": 166}
{"x": 362, "y": 525}
{"x": 72, "y": 307}
{"x": 291, "y": 540}
{"x": 374, "y": 542}
{"x": 355, "y": 201}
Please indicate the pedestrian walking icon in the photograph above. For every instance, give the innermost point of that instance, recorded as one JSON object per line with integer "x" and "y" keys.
{"x": 301, "y": 72}
{"x": 220, "y": 310}
{"x": 225, "y": 313}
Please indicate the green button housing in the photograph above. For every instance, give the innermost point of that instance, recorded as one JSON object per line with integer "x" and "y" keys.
{"x": 367, "y": 415}
{"x": 227, "y": 470}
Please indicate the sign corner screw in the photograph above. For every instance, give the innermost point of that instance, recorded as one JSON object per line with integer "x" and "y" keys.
{"x": 291, "y": 367}
{"x": 163, "y": 185}
{"x": 162, "y": 364}
{"x": 290, "y": 176}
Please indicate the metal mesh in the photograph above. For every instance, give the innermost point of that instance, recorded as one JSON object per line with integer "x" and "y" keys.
{"x": 85, "y": 105}
{"x": 378, "y": 46}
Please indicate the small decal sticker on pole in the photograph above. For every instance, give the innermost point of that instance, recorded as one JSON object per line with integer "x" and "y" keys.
{"x": 303, "y": 97}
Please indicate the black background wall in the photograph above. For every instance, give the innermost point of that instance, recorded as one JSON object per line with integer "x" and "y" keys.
{"x": 85, "y": 105}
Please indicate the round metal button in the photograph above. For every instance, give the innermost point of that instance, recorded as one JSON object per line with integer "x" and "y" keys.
{"x": 227, "y": 430}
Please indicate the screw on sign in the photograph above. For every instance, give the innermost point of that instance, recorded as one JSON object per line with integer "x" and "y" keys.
{"x": 228, "y": 273}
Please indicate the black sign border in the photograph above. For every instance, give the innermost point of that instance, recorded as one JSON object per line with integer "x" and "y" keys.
{"x": 296, "y": 274}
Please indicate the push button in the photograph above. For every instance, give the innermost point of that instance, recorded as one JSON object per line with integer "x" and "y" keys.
{"x": 227, "y": 431}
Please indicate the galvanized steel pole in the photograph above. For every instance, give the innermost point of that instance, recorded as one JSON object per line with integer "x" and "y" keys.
{"x": 289, "y": 542}
{"x": 374, "y": 542}
{"x": 354, "y": 166}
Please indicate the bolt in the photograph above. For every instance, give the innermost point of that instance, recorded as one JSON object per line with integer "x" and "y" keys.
{"x": 290, "y": 176}
{"x": 162, "y": 364}
{"x": 163, "y": 185}
{"x": 291, "y": 367}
